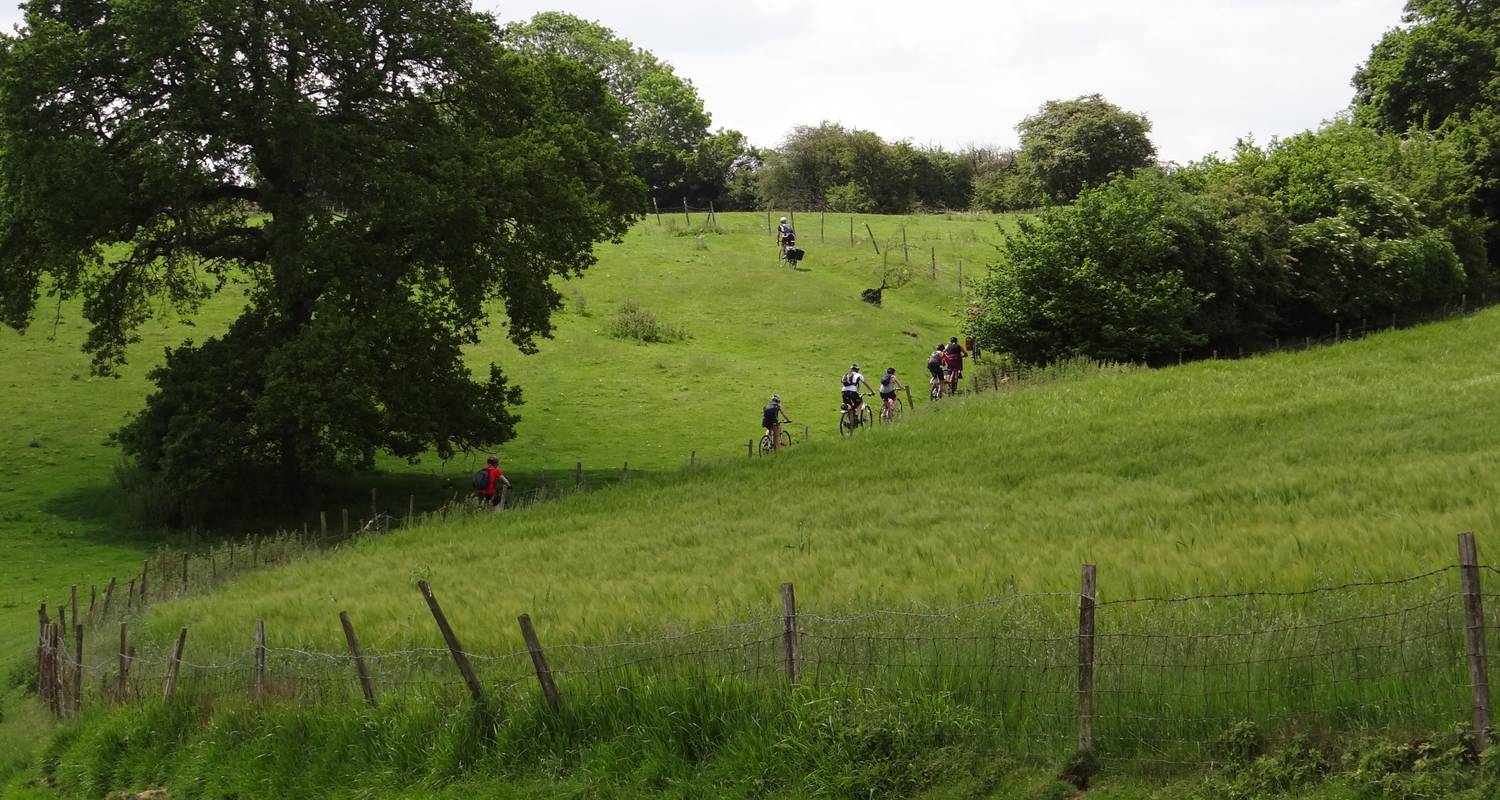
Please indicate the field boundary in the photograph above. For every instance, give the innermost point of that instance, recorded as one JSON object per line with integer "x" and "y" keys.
{"x": 1156, "y": 680}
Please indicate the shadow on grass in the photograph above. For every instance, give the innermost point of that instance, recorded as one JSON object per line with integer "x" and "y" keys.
{"x": 110, "y": 511}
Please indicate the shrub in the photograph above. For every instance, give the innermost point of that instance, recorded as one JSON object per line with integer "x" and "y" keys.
{"x": 634, "y": 323}
{"x": 848, "y": 198}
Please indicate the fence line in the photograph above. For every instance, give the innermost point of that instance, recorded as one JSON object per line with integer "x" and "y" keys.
{"x": 1154, "y": 680}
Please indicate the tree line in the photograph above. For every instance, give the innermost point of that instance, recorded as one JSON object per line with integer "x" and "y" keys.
{"x": 1389, "y": 210}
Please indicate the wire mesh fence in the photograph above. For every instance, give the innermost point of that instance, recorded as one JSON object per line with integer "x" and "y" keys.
{"x": 1156, "y": 681}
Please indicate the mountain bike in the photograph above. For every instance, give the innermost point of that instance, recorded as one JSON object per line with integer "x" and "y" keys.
{"x": 767, "y": 445}
{"x": 938, "y": 387}
{"x": 888, "y": 413}
{"x": 850, "y": 420}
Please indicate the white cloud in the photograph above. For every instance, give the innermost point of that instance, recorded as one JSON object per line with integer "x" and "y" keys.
{"x": 953, "y": 72}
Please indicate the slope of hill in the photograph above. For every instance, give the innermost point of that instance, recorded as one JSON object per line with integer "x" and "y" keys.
{"x": 1281, "y": 472}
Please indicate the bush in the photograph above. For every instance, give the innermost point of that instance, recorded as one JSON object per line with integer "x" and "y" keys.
{"x": 635, "y": 323}
{"x": 1107, "y": 278}
{"x": 848, "y": 198}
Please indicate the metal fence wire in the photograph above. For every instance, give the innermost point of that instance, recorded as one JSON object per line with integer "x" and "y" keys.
{"x": 1155, "y": 680}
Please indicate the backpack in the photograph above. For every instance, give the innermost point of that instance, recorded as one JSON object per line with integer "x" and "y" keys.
{"x": 849, "y": 380}
{"x": 886, "y": 381}
{"x": 482, "y": 480}
{"x": 936, "y": 359}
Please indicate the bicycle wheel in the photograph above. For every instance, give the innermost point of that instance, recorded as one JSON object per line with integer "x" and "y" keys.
{"x": 765, "y": 443}
{"x": 786, "y": 439}
{"x": 846, "y": 424}
{"x": 866, "y": 416}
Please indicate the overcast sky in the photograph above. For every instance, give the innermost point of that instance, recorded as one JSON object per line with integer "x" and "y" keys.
{"x": 952, "y": 72}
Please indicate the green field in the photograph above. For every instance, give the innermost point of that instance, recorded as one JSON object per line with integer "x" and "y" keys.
{"x": 1283, "y": 472}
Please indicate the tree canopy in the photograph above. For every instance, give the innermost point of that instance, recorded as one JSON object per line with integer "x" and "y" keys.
{"x": 666, "y": 130}
{"x": 1069, "y": 145}
{"x": 374, "y": 173}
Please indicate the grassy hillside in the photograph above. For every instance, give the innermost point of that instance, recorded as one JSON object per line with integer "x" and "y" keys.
{"x": 1283, "y": 472}
{"x": 756, "y": 328}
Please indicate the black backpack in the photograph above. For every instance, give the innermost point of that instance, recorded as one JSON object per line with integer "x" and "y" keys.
{"x": 481, "y": 480}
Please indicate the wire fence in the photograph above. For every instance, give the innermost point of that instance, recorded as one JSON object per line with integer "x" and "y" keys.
{"x": 1155, "y": 681}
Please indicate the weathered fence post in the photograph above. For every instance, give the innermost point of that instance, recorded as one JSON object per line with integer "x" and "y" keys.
{"x": 130, "y": 596}
{"x": 62, "y": 616}
{"x": 359, "y": 659}
{"x": 768, "y": 222}
{"x": 120, "y": 686}
{"x": 791, "y": 640}
{"x": 873, "y": 243}
{"x": 73, "y": 602}
{"x": 459, "y": 657}
{"x": 323, "y": 526}
{"x": 54, "y": 671}
{"x": 1479, "y": 671}
{"x": 1086, "y": 597}
{"x": 93, "y": 599}
{"x": 260, "y": 660}
{"x": 77, "y": 665}
{"x": 750, "y": 448}
{"x": 539, "y": 662}
{"x": 625, "y": 472}
{"x": 685, "y": 217}
{"x": 411, "y": 509}
{"x": 170, "y": 685}
{"x": 934, "y": 258}
{"x": 851, "y": 230}
{"x": 145, "y": 569}
{"x": 693, "y": 458}
{"x": 713, "y": 216}
{"x": 109, "y": 594}
{"x": 656, "y": 208}
{"x": 960, "y": 276}
{"x": 822, "y": 222}
{"x": 346, "y": 522}
{"x": 374, "y": 506}
{"x": 905, "y": 251}
{"x": 578, "y": 475}
{"x": 185, "y": 557}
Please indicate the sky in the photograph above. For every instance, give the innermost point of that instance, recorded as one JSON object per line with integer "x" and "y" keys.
{"x": 953, "y": 73}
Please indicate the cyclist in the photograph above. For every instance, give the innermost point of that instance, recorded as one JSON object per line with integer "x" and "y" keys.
{"x": 953, "y": 362}
{"x": 771, "y": 418}
{"x": 889, "y": 385}
{"x": 935, "y": 367}
{"x": 853, "y": 379}
{"x": 786, "y": 236}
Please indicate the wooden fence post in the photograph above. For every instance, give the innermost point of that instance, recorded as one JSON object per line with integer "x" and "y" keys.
{"x": 960, "y": 276}
{"x": 822, "y": 222}
{"x": 769, "y": 232}
{"x": 346, "y": 522}
{"x": 578, "y": 475}
{"x": 1088, "y": 591}
{"x": 905, "y": 251}
{"x": 713, "y": 216}
{"x": 109, "y": 594}
{"x": 145, "y": 569}
{"x": 411, "y": 509}
{"x": 693, "y": 458}
{"x": 359, "y": 659}
{"x": 1479, "y": 672}
{"x": 791, "y": 641}
{"x": 851, "y": 230}
{"x": 374, "y": 506}
{"x": 873, "y": 243}
{"x": 656, "y": 208}
{"x": 73, "y": 602}
{"x": 685, "y": 217}
{"x": 750, "y": 448}
{"x": 170, "y": 685}
{"x": 54, "y": 671}
{"x": 130, "y": 596}
{"x": 934, "y": 260}
{"x": 260, "y": 660}
{"x": 322, "y": 526}
{"x": 539, "y": 662}
{"x": 121, "y": 685}
{"x": 625, "y": 472}
{"x": 459, "y": 657}
{"x": 185, "y": 557}
{"x": 77, "y": 665}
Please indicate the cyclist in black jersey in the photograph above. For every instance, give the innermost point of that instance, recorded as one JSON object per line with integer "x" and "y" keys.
{"x": 771, "y": 418}
{"x": 889, "y": 385}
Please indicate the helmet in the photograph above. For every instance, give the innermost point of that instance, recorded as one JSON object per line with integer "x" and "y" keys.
{"x": 939, "y": 346}
{"x": 776, "y": 398}
{"x": 492, "y": 460}
{"x": 890, "y": 370}
{"x": 783, "y": 219}
{"x": 854, "y": 367}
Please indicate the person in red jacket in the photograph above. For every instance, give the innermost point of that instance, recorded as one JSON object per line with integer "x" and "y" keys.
{"x": 491, "y": 493}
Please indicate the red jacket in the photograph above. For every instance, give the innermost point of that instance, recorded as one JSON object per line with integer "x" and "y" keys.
{"x": 495, "y": 476}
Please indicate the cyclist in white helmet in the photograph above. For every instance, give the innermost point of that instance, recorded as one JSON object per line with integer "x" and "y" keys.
{"x": 786, "y": 236}
{"x": 850, "y": 384}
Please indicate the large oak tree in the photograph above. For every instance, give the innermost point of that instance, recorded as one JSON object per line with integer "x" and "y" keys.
{"x": 379, "y": 175}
